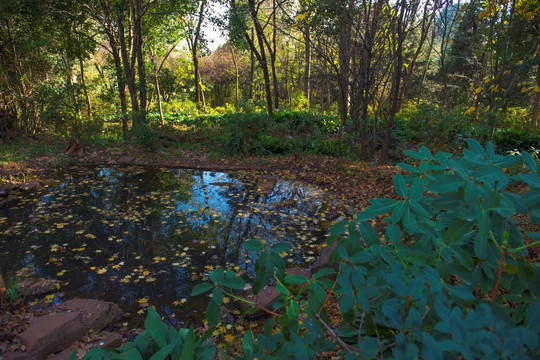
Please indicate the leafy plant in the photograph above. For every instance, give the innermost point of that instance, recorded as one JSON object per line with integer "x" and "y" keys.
{"x": 12, "y": 290}
{"x": 159, "y": 341}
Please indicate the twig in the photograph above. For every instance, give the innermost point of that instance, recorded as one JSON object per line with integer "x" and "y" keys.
{"x": 333, "y": 333}
{"x": 499, "y": 276}
{"x": 327, "y": 297}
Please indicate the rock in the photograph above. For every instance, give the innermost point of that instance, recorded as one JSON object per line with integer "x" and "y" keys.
{"x": 266, "y": 185}
{"x": 97, "y": 314}
{"x": 36, "y": 287}
{"x": 51, "y": 333}
{"x": 63, "y": 355}
{"x": 226, "y": 316}
{"x": 118, "y": 153}
{"x": 126, "y": 160}
{"x": 324, "y": 259}
{"x": 266, "y": 298}
{"x": 111, "y": 341}
{"x": 49, "y": 182}
{"x": 29, "y": 186}
{"x": 299, "y": 271}
{"x": 6, "y": 188}
{"x": 8, "y": 201}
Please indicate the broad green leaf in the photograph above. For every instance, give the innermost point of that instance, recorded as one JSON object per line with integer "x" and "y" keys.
{"x": 322, "y": 273}
{"x": 400, "y": 186}
{"x": 481, "y": 246}
{"x": 253, "y": 245}
{"x": 381, "y": 206}
{"x": 533, "y": 316}
{"x": 295, "y": 279}
{"x": 476, "y": 147}
{"x": 369, "y": 234}
{"x": 247, "y": 344}
{"x": 457, "y": 231}
{"x": 408, "y": 167}
{"x": 201, "y": 288}
{"x": 217, "y": 295}
{"x": 217, "y": 275}
{"x": 155, "y": 327}
{"x": 163, "y": 353}
{"x": 213, "y": 313}
{"x": 280, "y": 247}
{"x": 236, "y": 283}
{"x": 450, "y": 183}
{"x": 529, "y": 161}
{"x": 531, "y": 179}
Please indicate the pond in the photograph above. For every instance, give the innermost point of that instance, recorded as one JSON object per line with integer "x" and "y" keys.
{"x": 139, "y": 236}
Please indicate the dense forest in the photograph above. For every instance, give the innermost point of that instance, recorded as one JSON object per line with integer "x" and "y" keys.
{"x": 86, "y": 65}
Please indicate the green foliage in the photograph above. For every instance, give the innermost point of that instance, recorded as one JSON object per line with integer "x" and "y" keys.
{"x": 509, "y": 140}
{"x": 426, "y": 124}
{"x": 12, "y": 290}
{"x": 159, "y": 341}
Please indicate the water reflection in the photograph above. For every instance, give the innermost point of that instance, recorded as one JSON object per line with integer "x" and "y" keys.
{"x": 130, "y": 235}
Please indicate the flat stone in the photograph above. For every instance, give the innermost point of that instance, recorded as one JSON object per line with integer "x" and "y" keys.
{"x": 111, "y": 341}
{"x": 49, "y": 334}
{"x": 6, "y": 188}
{"x": 36, "y": 287}
{"x": 63, "y": 355}
{"x": 266, "y": 185}
{"x": 29, "y": 186}
{"x": 266, "y": 298}
{"x": 299, "y": 271}
{"x": 49, "y": 182}
{"x": 324, "y": 259}
{"x": 126, "y": 160}
{"x": 96, "y": 314}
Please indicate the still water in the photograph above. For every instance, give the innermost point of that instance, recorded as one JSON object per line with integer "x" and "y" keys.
{"x": 139, "y": 236}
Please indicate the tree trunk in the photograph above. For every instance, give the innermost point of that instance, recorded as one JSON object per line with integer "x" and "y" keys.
{"x": 237, "y": 85}
{"x": 536, "y": 98}
{"x": 396, "y": 83}
{"x": 307, "y": 64}
{"x": 85, "y": 90}
{"x": 138, "y": 49}
{"x": 129, "y": 75}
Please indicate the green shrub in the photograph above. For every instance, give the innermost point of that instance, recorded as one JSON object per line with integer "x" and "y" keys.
{"x": 510, "y": 140}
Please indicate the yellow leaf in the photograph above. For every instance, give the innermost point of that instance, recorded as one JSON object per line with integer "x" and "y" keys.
{"x": 537, "y": 89}
{"x": 469, "y": 110}
{"x": 102, "y": 271}
{"x": 478, "y": 90}
{"x": 49, "y": 298}
{"x": 143, "y": 300}
{"x": 301, "y": 16}
{"x": 140, "y": 312}
{"x": 229, "y": 338}
{"x": 150, "y": 279}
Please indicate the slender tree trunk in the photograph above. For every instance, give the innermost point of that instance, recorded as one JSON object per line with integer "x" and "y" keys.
{"x": 252, "y": 67}
{"x": 138, "y": 49}
{"x": 85, "y": 90}
{"x": 273, "y": 54}
{"x": 396, "y": 83}
{"x": 536, "y": 98}
{"x": 129, "y": 75}
{"x": 307, "y": 64}
{"x": 158, "y": 95}
{"x": 236, "y": 75}
{"x": 345, "y": 63}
